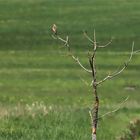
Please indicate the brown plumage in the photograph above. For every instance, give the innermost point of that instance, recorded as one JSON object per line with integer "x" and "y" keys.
{"x": 54, "y": 29}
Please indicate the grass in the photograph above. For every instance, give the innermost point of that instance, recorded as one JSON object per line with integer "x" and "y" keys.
{"x": 42, "y": 95}
{"x": 26, "y": 24}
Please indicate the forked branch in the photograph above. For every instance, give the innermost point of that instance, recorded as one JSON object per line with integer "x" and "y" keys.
{"x": 110, "y": 76}
{"x": 66, "y": 44}
{"x": 94, "y": 41}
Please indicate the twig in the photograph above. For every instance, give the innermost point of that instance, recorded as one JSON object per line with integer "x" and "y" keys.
{"x": 76, "y": 59}
{"x": 84, "y": 81}
{"x": 103, "y": 46}
{"x": 94, "y": 42}
{"x": 136, "y": 51}
{"x": 110, "y": 76}
{"x": 115, "y": 110}
{"x": 86, "y": 35}
{"x": 90, "y": 114}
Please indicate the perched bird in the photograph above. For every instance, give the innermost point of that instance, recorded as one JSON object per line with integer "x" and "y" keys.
{"x": 54, "y": 29}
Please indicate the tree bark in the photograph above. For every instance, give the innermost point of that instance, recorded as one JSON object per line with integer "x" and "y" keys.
{"x": 95, "y": 114}
{"x": 93, "y": 136}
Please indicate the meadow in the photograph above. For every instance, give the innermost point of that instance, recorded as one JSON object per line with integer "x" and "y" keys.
{"x": 43, "y": 93}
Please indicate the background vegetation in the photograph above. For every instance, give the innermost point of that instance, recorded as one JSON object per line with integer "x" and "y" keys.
{"x": 42, "y": 95}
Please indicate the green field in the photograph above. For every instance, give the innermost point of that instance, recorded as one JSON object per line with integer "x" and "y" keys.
{"x": 42, "y": 93}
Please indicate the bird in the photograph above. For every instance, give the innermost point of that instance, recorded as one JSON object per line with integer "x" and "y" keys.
{"x": 54, "y": 29}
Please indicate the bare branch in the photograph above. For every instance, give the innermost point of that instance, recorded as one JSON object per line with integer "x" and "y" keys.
{"x": 115, "y": 110}
{"x": 86, "y": 35}
{"x": 90, "y": 114}
{"x": 110, "y": 76}
{"x": 103, "y": 46}
{"x": 61, "y": 39}
{"x": 77, "y": 60}
{"x": 85, "y": 82}
{"x": 136, "y": 51}
{"x": 91, "y": 84}
{"x": 94, "y": 42}
{"x": 53, "y": 37}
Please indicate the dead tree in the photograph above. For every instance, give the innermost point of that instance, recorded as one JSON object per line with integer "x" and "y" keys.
{"x": 92, "y": 63}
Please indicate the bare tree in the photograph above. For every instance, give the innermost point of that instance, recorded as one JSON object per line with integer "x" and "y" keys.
{"x": 92, "y": 63}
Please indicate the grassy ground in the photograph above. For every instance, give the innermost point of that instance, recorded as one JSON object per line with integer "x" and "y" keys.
{"x": 42, "y": 95}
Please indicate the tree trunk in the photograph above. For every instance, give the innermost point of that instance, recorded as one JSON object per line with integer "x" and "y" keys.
{"x": 95, "y": 114}
{"x": 93, "y": 136}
